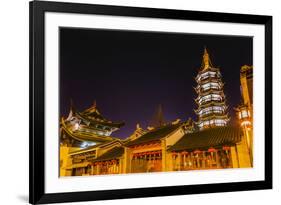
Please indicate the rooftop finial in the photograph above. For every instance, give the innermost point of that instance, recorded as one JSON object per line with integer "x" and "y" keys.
{"x": 206, "y": 59}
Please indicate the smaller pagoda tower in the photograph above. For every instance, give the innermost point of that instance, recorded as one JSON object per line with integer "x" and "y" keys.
{"x": 212, "y": 109}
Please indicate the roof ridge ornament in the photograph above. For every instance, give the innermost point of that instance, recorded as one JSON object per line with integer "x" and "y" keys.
{"x": 93, "y": 108}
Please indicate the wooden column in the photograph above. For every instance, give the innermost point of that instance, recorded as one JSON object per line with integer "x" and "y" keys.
{"x": 92, "y": 169}
{"x": 184, "y": 161}
{"x": 98, "y": 169}
{"x": 164, "y": 155}
{"x": 203, "y": 160}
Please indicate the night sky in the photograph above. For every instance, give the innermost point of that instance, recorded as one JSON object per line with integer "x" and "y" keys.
{"x": 130, "y": 73}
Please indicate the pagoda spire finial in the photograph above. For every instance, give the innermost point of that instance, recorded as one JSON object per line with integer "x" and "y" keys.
{"x": 206, "y": 63}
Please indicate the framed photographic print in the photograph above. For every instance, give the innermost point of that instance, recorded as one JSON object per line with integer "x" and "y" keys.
{"x": 139, "y": 102}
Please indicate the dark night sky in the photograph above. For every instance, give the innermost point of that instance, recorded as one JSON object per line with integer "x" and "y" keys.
{"x": 130, "y": 73}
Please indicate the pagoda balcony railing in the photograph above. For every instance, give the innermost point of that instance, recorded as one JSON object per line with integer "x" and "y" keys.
{"x": 210, "y": 72}
{"x": 208, "y": 89}
{"x": 211, "y": 108}
{"x": 211, "y": 125}
{"x": 218, "y": 100}
{"x": 210, "y": 103}
{"x": 208, "y": 76}
{"x": 214, "y": 116}
{"x": 210, "y": 79}
{"x": 211, "y": 113}
{"x": 214, "y": 94}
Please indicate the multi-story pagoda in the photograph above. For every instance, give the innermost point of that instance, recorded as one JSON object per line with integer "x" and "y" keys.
{"x": 212, "y": 109}
{"x": 82, "y": 129}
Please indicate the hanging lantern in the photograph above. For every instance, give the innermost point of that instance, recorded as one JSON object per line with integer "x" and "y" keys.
{"x": 244, "y": 115}
{"x": 226, "y": 148}
{"x": 197, "y": 151}
{"x": 212, "y": 149}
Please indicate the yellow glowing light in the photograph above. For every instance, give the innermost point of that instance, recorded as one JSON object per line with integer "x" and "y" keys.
{"x": 245, "y": 123}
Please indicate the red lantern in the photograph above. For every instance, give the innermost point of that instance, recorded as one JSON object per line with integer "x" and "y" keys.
{"x": 197, "y": 151}
{"x": 212, "y": 149}
{"x": 226, "y": 148}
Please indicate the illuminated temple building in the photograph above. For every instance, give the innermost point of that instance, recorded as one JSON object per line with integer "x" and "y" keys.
{"x": 81, "y": 131}
{"x": 88, "y": 148}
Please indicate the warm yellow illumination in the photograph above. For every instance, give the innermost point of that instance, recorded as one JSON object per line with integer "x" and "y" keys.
{"x": 245, "y": 123}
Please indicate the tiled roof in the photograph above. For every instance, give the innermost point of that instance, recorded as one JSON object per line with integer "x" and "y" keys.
{"x": 99, "y": 120}
{"x": 113, "y": 153}
{"x": 155, "y": 134}
{"x": 205, "y": 139}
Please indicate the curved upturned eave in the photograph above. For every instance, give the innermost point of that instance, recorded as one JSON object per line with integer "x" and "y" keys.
{"x": 83, "y": 138}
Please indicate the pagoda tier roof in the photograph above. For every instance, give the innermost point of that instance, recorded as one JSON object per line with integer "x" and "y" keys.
{"x": 211, "y": 103}
{"x": 206, "y": 103}
{"x": 155, "y": 134}
{"x": 214, "y": 116}
{"x": 212, "y": 137}
{"x": 199, "y": 89}
{"x": 209, "y": 80}
{"x": 82, "y": 136}
{"x": 114, "y": 153}
{"x": 209, "y": 92}
{"x": 200, "y": 108}
{"x": 210, "y": 68}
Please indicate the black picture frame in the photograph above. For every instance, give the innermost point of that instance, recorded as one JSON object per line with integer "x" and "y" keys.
{"x": 37, "y": 193}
